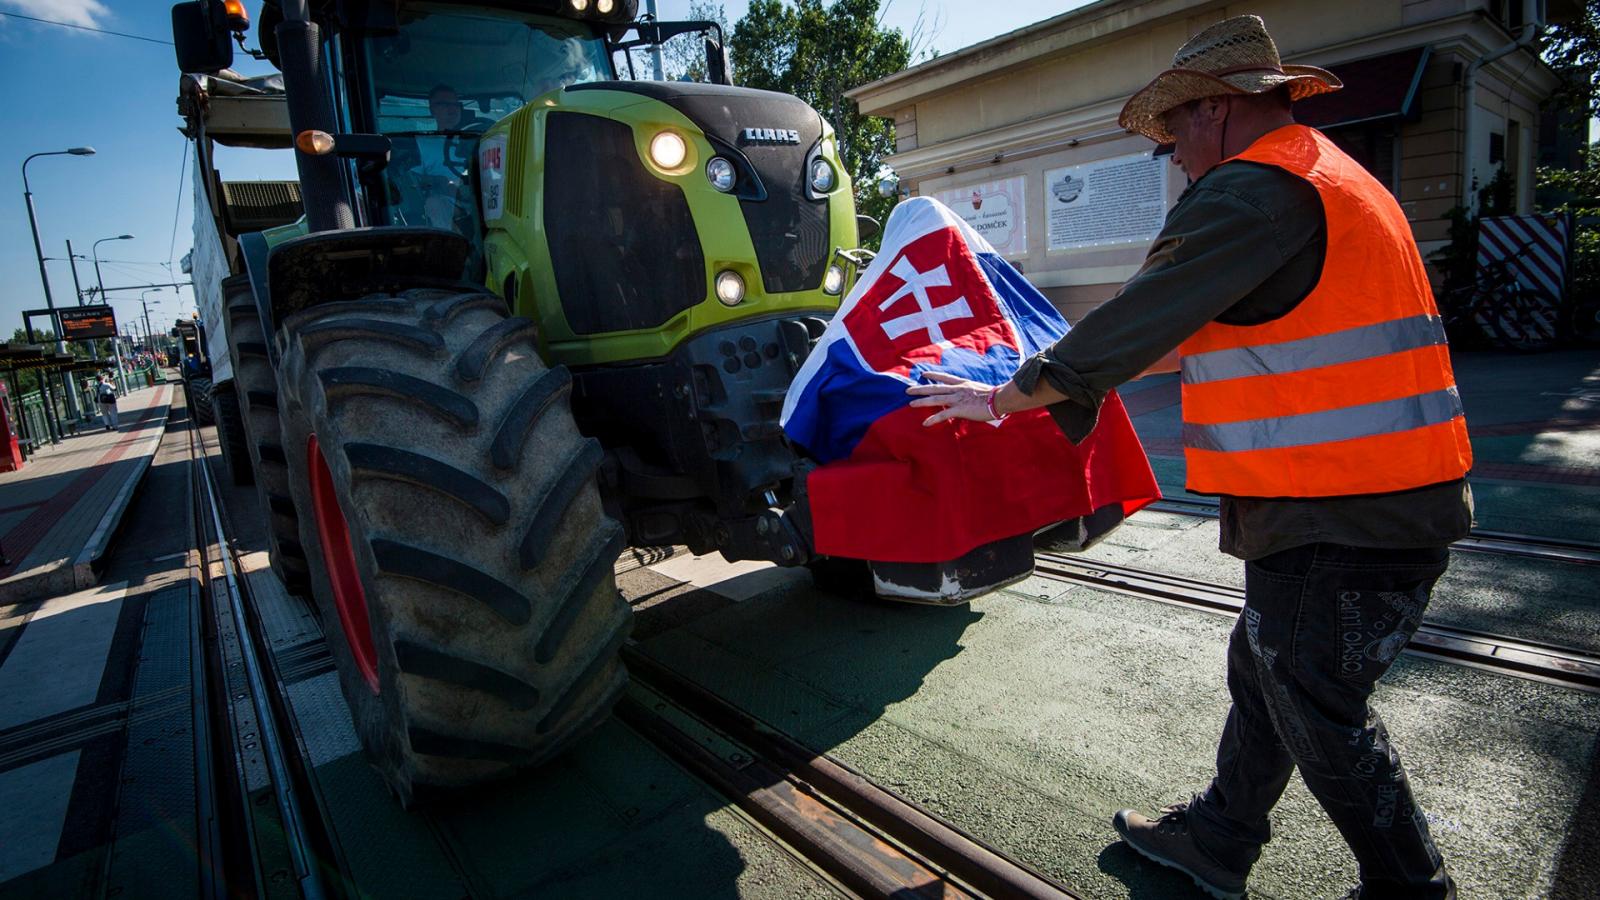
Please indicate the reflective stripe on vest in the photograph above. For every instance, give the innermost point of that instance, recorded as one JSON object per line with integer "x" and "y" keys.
{"x": 1366, "y": 420}
{"x": 1364, "y": 342}
{"x": 1350, "y": 392}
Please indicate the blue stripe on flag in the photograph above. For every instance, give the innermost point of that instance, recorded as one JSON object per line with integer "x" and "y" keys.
{"x": 853, "y": 396}
{"x": 1039, "y": 324}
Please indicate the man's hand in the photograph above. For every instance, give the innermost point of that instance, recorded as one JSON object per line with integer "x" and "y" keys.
{"x": 960, "y": 399}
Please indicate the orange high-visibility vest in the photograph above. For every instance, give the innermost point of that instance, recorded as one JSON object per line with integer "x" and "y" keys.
{"x": 1351, "y": 392}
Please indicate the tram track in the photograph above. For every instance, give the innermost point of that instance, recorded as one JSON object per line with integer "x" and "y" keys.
{"x": 257, "y": 741}
{"x": 861, "y": 837}
{"x": 1551, "y": 663}
{"x": 870, "y": 839}
{"x": 1500, "y": 543}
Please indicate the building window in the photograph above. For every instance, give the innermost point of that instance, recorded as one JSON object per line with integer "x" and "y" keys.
{"x": 1373, "y": 146}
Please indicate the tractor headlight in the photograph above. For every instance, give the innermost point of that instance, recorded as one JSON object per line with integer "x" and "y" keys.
{"x": 730, "y": 287}
{"x": 668, "y": 150}
{"x": 720, "y": 173}
{"x": 579, "y": 5}
{"x": 833, "y": 282}
{"x": 821, "y": 175}
{"x": 604, "y": 6}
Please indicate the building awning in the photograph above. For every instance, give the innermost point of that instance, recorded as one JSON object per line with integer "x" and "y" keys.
{"x": 1375, "y": 89}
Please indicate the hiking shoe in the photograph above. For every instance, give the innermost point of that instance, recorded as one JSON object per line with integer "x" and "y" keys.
{"x": 1167, "y": 841}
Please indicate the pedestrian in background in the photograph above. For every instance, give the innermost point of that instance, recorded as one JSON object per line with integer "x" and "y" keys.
{"x": 1319, "y": 403}
{"x": 107, "y": 397}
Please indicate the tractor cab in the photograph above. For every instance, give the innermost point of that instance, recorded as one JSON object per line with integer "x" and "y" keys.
{"x": 191, "y": 346}
{"x": 436, "y": 81}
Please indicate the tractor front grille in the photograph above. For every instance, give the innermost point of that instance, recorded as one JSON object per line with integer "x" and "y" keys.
{"x": 623, "y": 243}
{"x": 788, "y": 228}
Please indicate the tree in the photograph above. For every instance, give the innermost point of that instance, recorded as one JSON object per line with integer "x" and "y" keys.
{"x": 816, "y": 53}
{"x": 684, "y": 57}
{"x": 1580, "y": 190}
{"x": 1572, "y": 49}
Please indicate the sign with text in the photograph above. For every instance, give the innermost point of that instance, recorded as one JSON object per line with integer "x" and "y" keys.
{"x": 87, "y": 323}
{"x": 995, "y": 209}
{"x": 492, "y": 176}
{"x": 1121, "y": 200}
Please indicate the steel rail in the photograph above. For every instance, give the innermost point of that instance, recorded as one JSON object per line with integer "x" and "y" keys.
{"x": 1501, "y": 543}
{"x": 1552, "y": 663}
{"x": 208, "y": 807}
{"x": 229, "y": 778}
{"x": 296, "y": 830}
{"x": 966, "y": 866}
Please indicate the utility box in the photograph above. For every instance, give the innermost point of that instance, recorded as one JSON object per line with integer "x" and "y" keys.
{"x": 10, "y": 447}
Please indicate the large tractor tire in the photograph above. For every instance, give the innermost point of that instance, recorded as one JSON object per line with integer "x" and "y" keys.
{"x": 455, "y": 535}
{"x": 230, "y": 434}
{"x": 256, "y": 389}
{"x": 198, "y": 392}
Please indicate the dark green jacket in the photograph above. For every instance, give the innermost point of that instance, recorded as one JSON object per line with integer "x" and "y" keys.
{"x": 1244, "y": 245}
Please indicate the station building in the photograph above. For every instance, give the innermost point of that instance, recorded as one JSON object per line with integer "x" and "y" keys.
{"x": 1019, "y": 134}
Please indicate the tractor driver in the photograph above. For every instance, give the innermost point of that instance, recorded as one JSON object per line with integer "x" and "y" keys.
{"x": 450, "y": 114}
{"x": 440, "y": 172}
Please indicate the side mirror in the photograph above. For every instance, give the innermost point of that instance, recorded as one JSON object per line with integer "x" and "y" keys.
{"x": 201, "y": 37}
{"x": 716, "y": 62}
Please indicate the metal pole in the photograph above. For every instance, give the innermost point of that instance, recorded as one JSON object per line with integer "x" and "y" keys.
{"x": 77, "y": 288}
{"x": 655, "y": 50}
{"x": 44, "y": 277}
{"x": 73, "y": 262}
{"x": 50, "y": 420}
{"x": 147, "y": 333}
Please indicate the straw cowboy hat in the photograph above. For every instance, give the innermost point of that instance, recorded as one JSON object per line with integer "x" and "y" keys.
{"x": 1234, "y": 56}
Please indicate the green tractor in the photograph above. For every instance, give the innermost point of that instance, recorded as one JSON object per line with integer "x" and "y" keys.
{"x": 534, "y": 313}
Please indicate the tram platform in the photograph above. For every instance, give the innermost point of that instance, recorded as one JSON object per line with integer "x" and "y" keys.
{"x": 58, "y": 512}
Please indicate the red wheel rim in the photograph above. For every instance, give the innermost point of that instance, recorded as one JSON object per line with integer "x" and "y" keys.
{"x": 349, "y": 598}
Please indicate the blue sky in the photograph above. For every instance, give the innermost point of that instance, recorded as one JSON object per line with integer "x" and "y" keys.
{"x": 73, "y": 88}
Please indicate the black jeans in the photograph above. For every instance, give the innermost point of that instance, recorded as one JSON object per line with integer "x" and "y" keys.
{"x": 1321, "y": 624}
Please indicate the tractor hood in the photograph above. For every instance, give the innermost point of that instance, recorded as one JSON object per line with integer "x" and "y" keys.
{"x": 745, "y": 118}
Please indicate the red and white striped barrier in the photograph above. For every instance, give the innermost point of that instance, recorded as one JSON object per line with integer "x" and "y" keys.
{"x": 1543, "y": 264}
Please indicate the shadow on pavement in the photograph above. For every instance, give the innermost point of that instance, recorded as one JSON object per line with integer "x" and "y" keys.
{"x": 1577, "y": 872}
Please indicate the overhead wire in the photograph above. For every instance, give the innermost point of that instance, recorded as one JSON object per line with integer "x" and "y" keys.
{"x": 183, "y": 169}
{"x": 136, "y": 37}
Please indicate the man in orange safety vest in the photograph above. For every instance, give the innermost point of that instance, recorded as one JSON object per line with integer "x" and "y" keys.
{"x": 1319, "y": 404}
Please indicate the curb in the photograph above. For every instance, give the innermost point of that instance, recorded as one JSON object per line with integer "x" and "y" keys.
{"x": 83, "y": 574}
{"x": 49, "y": 580}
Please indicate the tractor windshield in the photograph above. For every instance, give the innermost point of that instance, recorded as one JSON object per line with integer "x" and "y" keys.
{"x": 444, "y": 78}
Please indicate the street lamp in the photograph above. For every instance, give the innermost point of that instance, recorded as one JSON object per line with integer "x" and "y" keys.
{"x": 149, "y": 336}
{"x": 38, "y": 251}
{"x": 96, "y": 251}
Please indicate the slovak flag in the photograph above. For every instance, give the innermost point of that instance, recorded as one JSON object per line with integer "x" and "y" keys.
{"x": 938, "y": 298}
